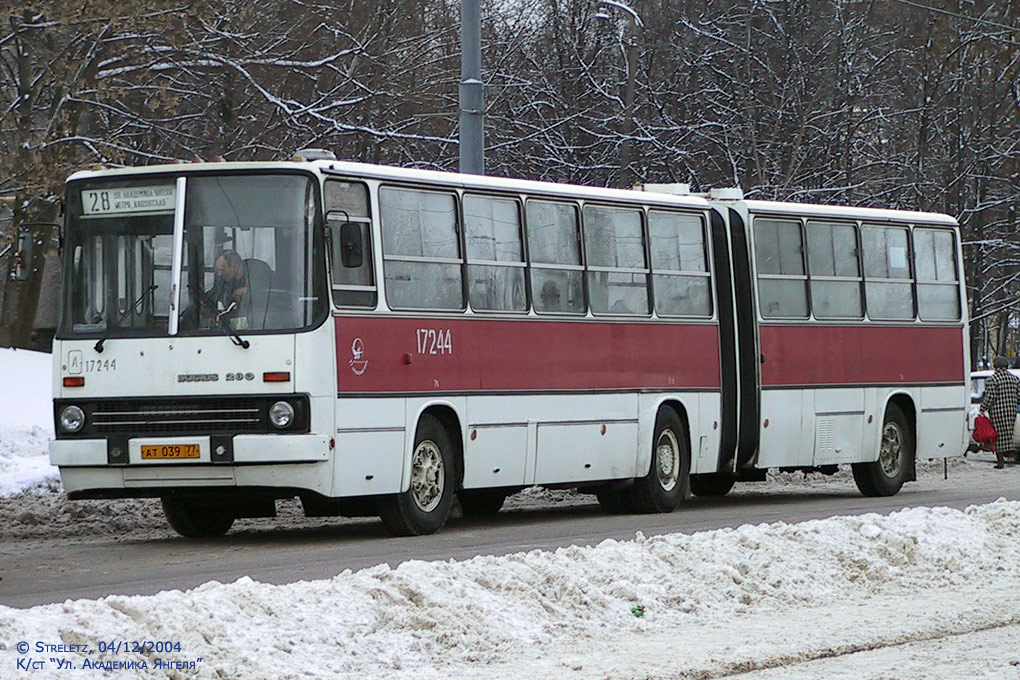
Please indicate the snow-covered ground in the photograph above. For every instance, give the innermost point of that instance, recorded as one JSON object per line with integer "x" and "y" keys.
{"x": 26, "y": 423}
{"x": 922, "y": 593}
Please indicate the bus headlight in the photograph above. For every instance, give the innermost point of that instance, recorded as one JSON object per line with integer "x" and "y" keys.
{"x": 72, "y": 419}
{"x": 281, "y": 414}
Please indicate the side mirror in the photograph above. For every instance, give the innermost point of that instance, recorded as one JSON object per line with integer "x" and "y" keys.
{"x": 352, "y": 247}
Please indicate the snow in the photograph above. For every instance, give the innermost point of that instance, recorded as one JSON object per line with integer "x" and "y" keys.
{"x": 804, "y": 598}
{"x": 25, "y": 421}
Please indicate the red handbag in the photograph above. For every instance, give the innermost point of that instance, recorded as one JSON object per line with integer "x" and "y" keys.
{"x": 984, "y": 431}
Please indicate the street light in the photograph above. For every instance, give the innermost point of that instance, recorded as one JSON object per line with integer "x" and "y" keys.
{"x": 632, "y": 28}
{"x": 472, "y": 95}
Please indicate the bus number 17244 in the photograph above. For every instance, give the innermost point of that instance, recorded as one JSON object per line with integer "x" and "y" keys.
{"x": 433, "y": 341}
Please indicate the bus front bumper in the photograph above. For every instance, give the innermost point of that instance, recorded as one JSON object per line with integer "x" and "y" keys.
{"x": 299, "y": 461}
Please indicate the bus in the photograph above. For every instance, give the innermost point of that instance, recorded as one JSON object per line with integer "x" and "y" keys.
{"x": 382, "y": 341}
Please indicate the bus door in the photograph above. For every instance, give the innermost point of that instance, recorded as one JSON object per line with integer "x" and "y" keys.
{"x": 738, "y": 341}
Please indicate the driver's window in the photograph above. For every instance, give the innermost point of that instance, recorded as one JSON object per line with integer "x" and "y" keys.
{"x": 348, "y": 202}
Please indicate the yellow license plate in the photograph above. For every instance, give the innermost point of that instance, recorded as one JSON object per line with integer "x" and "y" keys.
{"x": 169, "y": 451}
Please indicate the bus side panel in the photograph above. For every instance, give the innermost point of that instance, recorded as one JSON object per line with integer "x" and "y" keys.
{"x": 442, "y": 355}
{"x": 814, "y": 355}
{"x": 942, "y": 423}
{"x": 845, "y": 375}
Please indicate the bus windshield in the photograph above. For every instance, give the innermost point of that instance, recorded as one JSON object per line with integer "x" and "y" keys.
{"x": 251, "y": 258}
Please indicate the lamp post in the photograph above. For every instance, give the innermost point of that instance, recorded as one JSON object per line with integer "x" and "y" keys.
{"x": 631, "y": 29}
{"x": 472, "y": 96}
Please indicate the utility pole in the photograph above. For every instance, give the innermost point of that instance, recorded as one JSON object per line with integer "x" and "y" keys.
{"x": 472, "y": 96}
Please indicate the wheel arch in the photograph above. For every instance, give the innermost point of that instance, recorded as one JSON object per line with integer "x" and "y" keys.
{"x": 905, "y": 402}
{"x": 450, "y": 417}
{"x": 647, "y": 427}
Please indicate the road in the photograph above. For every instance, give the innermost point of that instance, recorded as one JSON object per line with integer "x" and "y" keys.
{"x": 53, "y": 569}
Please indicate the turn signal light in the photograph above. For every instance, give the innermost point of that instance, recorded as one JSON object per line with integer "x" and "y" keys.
{"x": 276, "y": 376}
{"x": 78, "y": 381}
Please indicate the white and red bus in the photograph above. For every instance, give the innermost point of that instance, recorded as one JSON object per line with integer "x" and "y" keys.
{"x": 377, "y": 341}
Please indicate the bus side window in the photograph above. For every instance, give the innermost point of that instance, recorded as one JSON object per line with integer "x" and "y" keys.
{"x": 421, "y": 249}
{"x": 347, "y": 204}
{"x": 782, "y": 283}
{"x": 938, "y": 285}
{"x": 617, "y": 268}
{"x": 835, "y": 270}
{"x": 680, "y": 278}
{"x": 495, "y": 254}
{"x": 888, "y": 286}
{"x": 554, "y": 248}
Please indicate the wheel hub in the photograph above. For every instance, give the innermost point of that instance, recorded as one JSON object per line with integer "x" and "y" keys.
{"x": 427, "y": 476}
{"x": 891, "y": 455}
{"x": 667, "y": 454}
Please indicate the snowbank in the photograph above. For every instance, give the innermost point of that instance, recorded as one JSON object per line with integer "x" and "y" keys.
{"x": 26, "y": 390}
{"x": 25, "y": 461}
{"x": 466, "y": 619}
{"x": 26, "y": 423}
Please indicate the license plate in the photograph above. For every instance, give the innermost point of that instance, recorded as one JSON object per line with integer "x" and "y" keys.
{"x": 169, "y": 451}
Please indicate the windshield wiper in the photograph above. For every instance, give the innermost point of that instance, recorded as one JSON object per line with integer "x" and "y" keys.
{"x": 109, "y": 329}
{"x": 234, "y": 337}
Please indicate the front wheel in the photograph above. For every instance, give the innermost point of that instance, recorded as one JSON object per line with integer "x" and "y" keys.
{"x": 425, "y": 506}
{"x": 886, "y": 475}
{"x": 195, "y": 519}
{"x": 667, "y": 481}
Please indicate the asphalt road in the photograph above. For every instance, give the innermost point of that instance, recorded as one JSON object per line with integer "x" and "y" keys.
{"x": 52, "y": 570}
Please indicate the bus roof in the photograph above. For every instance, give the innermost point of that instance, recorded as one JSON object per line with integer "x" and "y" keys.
{"x": 484, "y": 183}
{"x": 397, "y": 174}
{"x": 844, "y": 212}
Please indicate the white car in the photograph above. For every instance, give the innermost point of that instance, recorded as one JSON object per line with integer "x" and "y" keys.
{"x": 977, "y": 391}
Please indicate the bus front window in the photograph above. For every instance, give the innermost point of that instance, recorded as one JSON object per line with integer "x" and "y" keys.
{"x": 119, "y": 253}
{"x": 252, "y": 258}
{"x": 251, "y": 254}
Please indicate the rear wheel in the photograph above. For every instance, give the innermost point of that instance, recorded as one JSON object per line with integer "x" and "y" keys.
{"x": 425, "y": 506}
{"x": 717, "y": 484}
{"x": 885, "y": 476}
{"x": 197, "y": 519}
{"x": 667, "y": 481}
{"x": 481, "y": 502}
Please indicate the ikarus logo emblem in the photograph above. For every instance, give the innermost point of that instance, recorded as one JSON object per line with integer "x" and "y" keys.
{"x": 358, "y": 363}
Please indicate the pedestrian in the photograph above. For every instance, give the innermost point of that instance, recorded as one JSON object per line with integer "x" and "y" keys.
{"x": 1002, "y": 397}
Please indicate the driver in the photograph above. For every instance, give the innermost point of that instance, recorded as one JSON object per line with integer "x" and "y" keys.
{"x": 230, "y": 291}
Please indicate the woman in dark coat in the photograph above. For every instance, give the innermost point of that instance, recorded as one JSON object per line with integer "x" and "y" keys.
{"x": 1002, "y": 397}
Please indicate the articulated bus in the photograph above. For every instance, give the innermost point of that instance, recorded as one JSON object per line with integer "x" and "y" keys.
{"x": 379, "y": 341}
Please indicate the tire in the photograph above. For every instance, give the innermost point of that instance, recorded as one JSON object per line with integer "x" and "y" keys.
{"x": 885, "y": 476}
{"x": 425, "y": 506}
{"x": 481, "y": 502}
{"x": 668, "y": 480}
{"x": 615, "y": 501}
{"x": 195, "y": 519}
{"x": 713, "y": 485}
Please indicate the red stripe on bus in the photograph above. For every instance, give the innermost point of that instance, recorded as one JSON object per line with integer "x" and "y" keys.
{"x": 399, "y": 354}
{"x": 832, "y": 355}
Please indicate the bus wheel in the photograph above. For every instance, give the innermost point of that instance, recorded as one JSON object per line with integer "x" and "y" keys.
{"x": 718, "y": 484}
{"x": 425, "y": 506}
{"x": 886, "y": 475}
{"x": 666, "y": 483}
{"x": 196, "y": 520}
{"x": 481, "y": 502}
